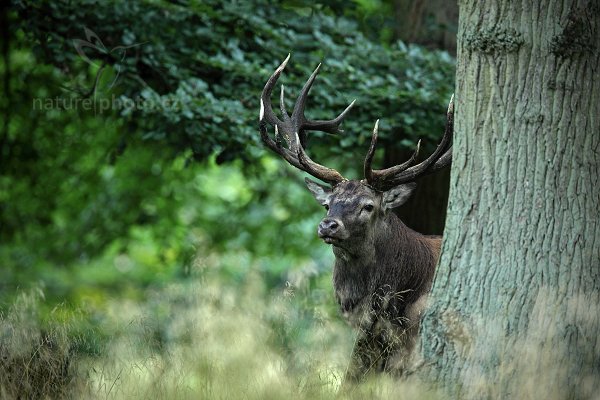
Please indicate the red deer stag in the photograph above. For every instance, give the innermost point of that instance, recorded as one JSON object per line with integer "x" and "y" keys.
{"x": 383, "y": 270}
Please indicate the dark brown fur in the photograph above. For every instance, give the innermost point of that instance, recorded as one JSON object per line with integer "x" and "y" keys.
{"x": 383, "y": 271}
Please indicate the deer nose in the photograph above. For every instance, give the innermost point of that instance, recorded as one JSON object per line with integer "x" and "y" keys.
{"x": 328, "y": 227}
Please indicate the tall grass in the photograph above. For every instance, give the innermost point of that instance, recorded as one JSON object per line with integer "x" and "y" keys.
{"x": 35, "y": 361}
{"x": 212, "y": 338}
{"x": 197, "y": 339}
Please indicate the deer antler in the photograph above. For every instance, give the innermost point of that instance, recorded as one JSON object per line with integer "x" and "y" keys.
{"x": 294, "y": 128}
{"x": 384, "y": 179}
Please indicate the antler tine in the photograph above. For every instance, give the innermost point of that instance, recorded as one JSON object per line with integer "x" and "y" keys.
{"x": 265, "y": 97}
{"x": 329, "y": 126}
{"x": 293, "y": 128}
{"x": 301, "y": 102}
{"x": 328, "y": 175}
{"x": 371, "y": 153}
{"x": 374, "y": 176}
{"x": 403, "y": 173}
{"x": 442, "y": 154}
{"x": 443, "y": 161}
{"x": 284, "y": 113}
{"x": 275, "y": 145}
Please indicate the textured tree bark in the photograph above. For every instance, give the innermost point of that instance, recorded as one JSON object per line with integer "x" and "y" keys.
{"x": 515, "y": 307}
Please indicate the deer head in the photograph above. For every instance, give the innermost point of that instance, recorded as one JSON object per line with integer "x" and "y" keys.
{"x": 356, "y": 209}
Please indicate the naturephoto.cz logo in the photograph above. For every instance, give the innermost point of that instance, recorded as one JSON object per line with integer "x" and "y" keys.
{"x": 94, "y": 52}
{"x": 102, "y": 104}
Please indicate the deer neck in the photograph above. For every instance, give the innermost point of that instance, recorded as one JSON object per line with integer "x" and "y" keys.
{"x": 354, "y": 270}
{"x": 394, "y": 260}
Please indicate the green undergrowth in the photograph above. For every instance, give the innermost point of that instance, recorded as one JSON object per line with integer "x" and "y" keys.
{"x": 197, "y": 339}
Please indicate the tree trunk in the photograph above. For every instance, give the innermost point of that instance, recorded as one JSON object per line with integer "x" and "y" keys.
{"x": 430, "y": 23}
{"x": 515, "y": 307}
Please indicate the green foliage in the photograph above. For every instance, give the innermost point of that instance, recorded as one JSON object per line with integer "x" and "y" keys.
{"x": 195, "y": 72}
{"x": 103, "y": 207}
{"x": 95, "y": 191}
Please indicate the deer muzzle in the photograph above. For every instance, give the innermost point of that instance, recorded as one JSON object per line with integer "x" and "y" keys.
{"x": 330, "y": 230}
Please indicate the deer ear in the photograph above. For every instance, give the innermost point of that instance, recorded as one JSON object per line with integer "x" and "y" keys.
{"x": 398, "y": 195}
{"x": 320, "y": 192}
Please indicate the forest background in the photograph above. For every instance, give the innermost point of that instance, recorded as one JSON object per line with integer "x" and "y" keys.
{"x": 150, "y": 245}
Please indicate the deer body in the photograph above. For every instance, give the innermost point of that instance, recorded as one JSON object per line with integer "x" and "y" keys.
{"x": 383, "y": 270}
{"x": 388, "y": 312}
{"x": 400, "y": 270}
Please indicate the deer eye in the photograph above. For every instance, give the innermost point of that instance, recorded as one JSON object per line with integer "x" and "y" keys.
{"x": 327, "y": 207}
{"x": 368, "y": 207}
